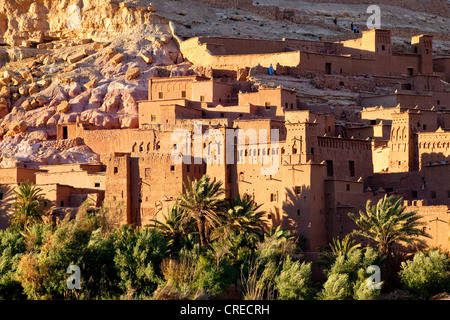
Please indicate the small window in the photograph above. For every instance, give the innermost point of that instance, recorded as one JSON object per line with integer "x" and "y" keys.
{"x": 418, "y": 124}
{"x": 287, "y": 105}
{"x": 424, "y": 127}
{"x": 383, "y": 47}
{"x": 116, "y": 169}
{"x": 153, "y": 118}
{"x": 172, "y": 168}
{"x": 448, "y": 194}
{"x": 298, "y": 190}
{"x": 298, "y": 212}
{"x": 438, "y": 102}
{"x": 351, "y": 168}
{"x": 414, "y": 194}
{"x": 312, "y": 150}
{"x": 273, "y": 197}
{"x": 187, "y": 168}
{"x": 202, "y": 98}
{"x": 1, "y": 195}
{"x": 160, "y": 95}
{"x": 97, "y": 184}
{"x": 62, "y": 204}
{"x": 373, "y": 122}
{"x": 433, "y": 194}
{"x": 183, "y": 94}
{"x": 348, "y": 187}
{"x": 222, "y": 114}
{"x": 329, "y": 164}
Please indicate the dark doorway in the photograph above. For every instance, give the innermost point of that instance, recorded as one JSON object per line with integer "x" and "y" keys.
{"x": 327, "y": 68}
{"x": 65, "y": 133}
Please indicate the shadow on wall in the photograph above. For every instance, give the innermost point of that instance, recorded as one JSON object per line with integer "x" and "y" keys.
{"x": 6, "y": 200}
{"x": 293, "y": 214}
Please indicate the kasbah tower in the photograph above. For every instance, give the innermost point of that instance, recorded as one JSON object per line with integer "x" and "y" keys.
{"x": 260, "y": 115}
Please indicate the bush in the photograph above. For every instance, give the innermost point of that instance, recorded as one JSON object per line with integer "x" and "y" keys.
{"x": 138, "y": 255}
{"x": 427, "y": 274}
{"x": 337, "y": 287}
{"x": 42, "y": 272}
{"x": 354, "y": 267}
{"x": 12, "y": 246}
{"x": 294, "y": 281}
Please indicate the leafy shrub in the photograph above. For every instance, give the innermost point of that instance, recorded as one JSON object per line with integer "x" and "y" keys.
{"x": 427, "y": 274}
{"x": 294, "y": 281}
{"x": 337, "y": 287}
{"x": 12, "y": 246}
{"x": 353, "y": 266}
{"x": 138, "y": 255}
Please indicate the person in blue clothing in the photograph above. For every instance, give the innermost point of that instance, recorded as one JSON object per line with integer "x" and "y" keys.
{"x": 271, "y": 70}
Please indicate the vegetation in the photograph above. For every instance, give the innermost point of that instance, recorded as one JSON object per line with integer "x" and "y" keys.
{"x": 427, "y": 274}
{"x": 206, "y": 247}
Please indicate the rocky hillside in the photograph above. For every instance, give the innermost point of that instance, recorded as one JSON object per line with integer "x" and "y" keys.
{"x": 90, "y": 59}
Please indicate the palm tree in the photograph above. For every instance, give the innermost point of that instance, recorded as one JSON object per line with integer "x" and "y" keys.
{"x": 27, "y": 207}
{"x": 338, "y": 248}
{"x": 177, "y": 231}
{"x": 242, "y": 217}
{"x": 201, "y": 203}
{"x": 388, "y": 223}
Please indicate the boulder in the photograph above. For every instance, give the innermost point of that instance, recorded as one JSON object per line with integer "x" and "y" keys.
{"x": 132, "y": 73}
{"x": 16, "y": 80}
{"x": 100, "y": 45}
{"x": 41, "y": 100}
{"x": 8, "y": 74}
{"x": 43, "y": 83}
{"x": 23, "y": 90}
{"x": 63, "y": 107}
{"x": 33, "y": 89}
{"x": 16, "y": 128}
{"x": 118, "y": 58}
{"x": 75, "y": 58}
{"x": 147, "y": 57}
{"x": 91, "y": 84}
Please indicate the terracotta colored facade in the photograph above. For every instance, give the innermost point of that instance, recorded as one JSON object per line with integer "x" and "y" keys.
{"x": 306, "y": 168}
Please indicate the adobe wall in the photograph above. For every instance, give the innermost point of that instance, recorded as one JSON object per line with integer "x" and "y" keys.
{"x": 442, "y": 65}
{"x": 437, "y": 220}
{"x": 199, "y": 54}
{"x": 342, "y": 151}
{"x": 75, "y": 179}
{"x": 157, "y": 182}
{"x": 118, "y": 186}
{"x": 434, "y": 147}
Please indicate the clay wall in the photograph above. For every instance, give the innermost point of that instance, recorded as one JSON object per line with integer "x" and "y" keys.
{"x": 434, "y": 147}
{"x": 351, "y": 158}
{"x": 437, "y": 224}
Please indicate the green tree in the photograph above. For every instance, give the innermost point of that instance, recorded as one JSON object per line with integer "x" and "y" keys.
{"x": 178, "y": 232}
{"x": 28, "y": 206}
{"x": 388, "y": 223}
{"x": 201, "y": 203}
{"x": 242, "y": 217}
{"x": 338, "y": 248}
{"x": 294, "y": 281}
{"x": 427, "y": 274}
